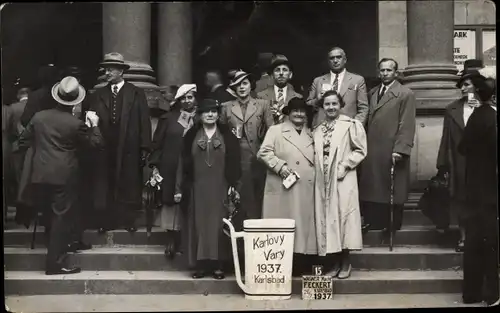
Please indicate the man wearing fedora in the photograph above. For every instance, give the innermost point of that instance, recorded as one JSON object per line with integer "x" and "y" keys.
{"x": 350, "y": 86}
{"x": 281, "y": 92}
{"x": 126, "y": 127}
{"x": 449, "y": 160}
{"x": 249, "y": 119}
{"x": 56, "y": 135}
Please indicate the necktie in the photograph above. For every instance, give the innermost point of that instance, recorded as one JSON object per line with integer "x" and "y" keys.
{"x": 113, "y": 107}
{"x": 115, "y": 90}
{"x": 381, "y": 94}
{"x": 335, "y": 85}
{"x": 281, "y": 104}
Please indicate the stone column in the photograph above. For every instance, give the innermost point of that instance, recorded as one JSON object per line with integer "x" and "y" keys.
{"x": 174, "y": 43}
{"x": 431, "y": 74}
{"x": 127, "y": 30}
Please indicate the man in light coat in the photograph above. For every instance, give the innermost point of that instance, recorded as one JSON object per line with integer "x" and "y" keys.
{"x": 350, "y": 86}
{"x": 390, "y": 133}
{"x": 281, "y": 91}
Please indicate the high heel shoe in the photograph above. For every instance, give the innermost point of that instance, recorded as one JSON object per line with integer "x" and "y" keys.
{"x": 198, "y": 274}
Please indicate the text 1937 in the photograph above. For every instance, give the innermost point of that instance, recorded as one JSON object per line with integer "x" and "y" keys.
{"x": 268, "y": 268}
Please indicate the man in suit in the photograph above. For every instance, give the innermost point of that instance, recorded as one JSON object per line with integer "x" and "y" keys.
{"x": 390, "y": 134}
{"x": 265, "y": 80}
{"x": 351, "y": 87}
{"x": 249, "y": 119}
{"x": 56, "y": 136}
{"x": 123, "y": 112}
{"x": 216, "y": 89}
{"x": 41, "y": 99}
{"x": 282, "y": 91}
{"x": 449, "y": 160}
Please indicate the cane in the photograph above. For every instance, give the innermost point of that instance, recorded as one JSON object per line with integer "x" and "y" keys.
{"x": 391, "y": 225}
{"x": 149, "y": 211}
{"x": 33, "y": 236}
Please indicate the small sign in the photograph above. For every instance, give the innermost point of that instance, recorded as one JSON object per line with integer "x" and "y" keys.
{"x": 317, "y": 286}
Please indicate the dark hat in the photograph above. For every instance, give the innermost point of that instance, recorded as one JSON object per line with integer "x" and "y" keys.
{"x": 468, "y": 74}
{"x": 473, "y": 64}
{"x": 278, "y": 60}
{"x": 207, "y": 105}
{"x": 295, "y": 104}
{"x": 114, "y": 59}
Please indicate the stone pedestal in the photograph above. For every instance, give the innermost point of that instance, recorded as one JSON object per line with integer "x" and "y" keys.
{"x": 127, "y": 30}
{"x": 174, "y": 43}
{"x": 431, "y": 73}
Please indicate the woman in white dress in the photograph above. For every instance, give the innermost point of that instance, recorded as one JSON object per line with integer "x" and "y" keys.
{"x": 340, "y": 146}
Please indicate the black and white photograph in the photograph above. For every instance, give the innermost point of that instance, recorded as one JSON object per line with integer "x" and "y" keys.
{"x": 249, "y": 155}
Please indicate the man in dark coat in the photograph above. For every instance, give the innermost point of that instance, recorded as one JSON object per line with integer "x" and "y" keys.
{"x": 216, "y": 89}
{"x": 126, "y": 127}
{"x": 449, "y": 161}
{"x": 390, "y": 135}
{"x": 56, "y": 136}
{"x": 479, "y": 146}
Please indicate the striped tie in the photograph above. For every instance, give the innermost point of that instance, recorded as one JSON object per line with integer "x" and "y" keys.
{"x": 281, "y": 104}
{"x": 335, "y": 85}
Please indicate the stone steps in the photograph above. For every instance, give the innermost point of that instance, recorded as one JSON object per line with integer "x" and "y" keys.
{"x": 151, "y": 258}
{"x": 176, "y": 282}
{"x": 408, "y": 235}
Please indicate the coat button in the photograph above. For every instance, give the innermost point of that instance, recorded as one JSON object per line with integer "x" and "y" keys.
{"x": 297, "y": 162}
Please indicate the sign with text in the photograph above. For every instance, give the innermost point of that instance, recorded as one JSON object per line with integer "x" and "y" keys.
{"x": 317, "y": 286}
{"x": 464, "y": 47}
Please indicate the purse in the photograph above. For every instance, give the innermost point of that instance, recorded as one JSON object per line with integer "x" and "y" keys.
{"x": 435, "y": 202}
{"x": 233, "y": 206}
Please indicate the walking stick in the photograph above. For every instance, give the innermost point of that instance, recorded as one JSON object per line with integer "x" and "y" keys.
{"x": 33, "y": 236}
{"x": 149, "y": 211}
{"x": 391, "y": 224}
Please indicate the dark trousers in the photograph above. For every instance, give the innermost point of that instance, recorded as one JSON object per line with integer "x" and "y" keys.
{"x": 378, "y": 215}
{"x": 57, "y": 203}
{"x": 480, "y": 258}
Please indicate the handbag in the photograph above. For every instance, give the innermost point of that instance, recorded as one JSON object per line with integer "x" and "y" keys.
{"x": 233, "y": 206}
{"x": 435, "y": 202}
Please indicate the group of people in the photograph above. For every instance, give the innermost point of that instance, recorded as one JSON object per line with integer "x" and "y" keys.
{"x": 333, "y": 160}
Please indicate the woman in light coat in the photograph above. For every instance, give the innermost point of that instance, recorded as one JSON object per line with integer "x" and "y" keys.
{"x": 287, "y": 148}
{"x": 340, "y": 146}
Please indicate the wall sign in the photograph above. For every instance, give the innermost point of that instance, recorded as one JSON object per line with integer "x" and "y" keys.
{"x": 464, "y": 47}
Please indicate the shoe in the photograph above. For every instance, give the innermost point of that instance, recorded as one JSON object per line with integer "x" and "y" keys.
{"x": 78, "y": 246}
{"x": 460, "y": 246}
{"x": 492, "y": 302}
{"x": 102, "y": 230}
{"x": 198, "y": 274}
{"x": 471, "y": 300}
{"x": 63, "y": 271}
{"x": 365, "y": 228}
{"x": 218, "y": 274}
{"x": 132, "y": 229}
{"x": 335, "y": 271}
{"x": 343, "y": 274}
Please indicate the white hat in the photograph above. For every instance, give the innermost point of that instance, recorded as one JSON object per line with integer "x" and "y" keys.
{"x": 184, "y": 89}
{"x": 68, "y": 91}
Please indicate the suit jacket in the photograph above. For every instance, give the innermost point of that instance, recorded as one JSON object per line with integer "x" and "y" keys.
{"x": 55, "y": 136}
{"x": 479, "y": 146}
{"x": 38, "y": 100}
{"x": 270, "y": 95}
{"x": 134, "y": 140}
{"x": 353, "y": 92}
{"x": 263, "y": 83}
{"x": 449, "y": 159}
{"x": 390, "y": 129}
{"x": 257, "y": 120}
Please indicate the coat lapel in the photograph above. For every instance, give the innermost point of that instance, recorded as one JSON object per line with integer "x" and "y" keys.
{"x": 290, "y": 93}
{"x": 302, "y": 142}
{"x": 345, "y": 83}
{"x": 128, "y": 99}
{"x": 251, "y": 109}
{"x": 341, "y": 128}
{"x": 106, "y": 95}
{"x": 391, "y": 93}
{"x": 236, "y": 110}
{"x": 318, "y": 147}
{"x": 457, "y": 113}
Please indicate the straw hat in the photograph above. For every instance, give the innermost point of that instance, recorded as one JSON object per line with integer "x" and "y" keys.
{"x": 184, "y": 89}
{"x": 68, "y": 91}
{"x": 238, "y": 78}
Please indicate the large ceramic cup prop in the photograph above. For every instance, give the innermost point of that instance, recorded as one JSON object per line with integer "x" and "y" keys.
{"x": 268, "y": 258}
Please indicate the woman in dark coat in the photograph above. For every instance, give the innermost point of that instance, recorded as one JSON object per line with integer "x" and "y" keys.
{"x": 479, "y": 146}
{"x": 211, "y": 170}
{"x": 167, "y": 147}
{"x": 449, "y": 160}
